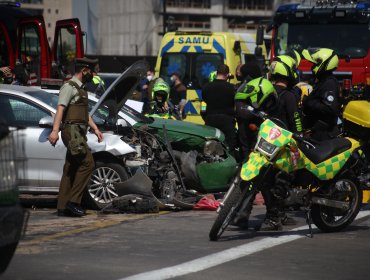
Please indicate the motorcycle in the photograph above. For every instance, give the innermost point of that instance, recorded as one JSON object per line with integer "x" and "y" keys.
{"x": 356, "y": 124}
{"x": 322, "y": 177}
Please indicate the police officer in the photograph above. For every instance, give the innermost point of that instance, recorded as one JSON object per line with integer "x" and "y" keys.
{"x": 220, "y": 113}
{"x": 260, "y": 94}
{"x": 283, "y": 73}
{"x": 73, "y": 119}
{"x": 322, "y": 107}
{"x": 246, "y": 136}
{"x": 300, "y": 88}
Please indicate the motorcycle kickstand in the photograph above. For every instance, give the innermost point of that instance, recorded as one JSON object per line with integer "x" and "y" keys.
{"x": 309, "y": 221}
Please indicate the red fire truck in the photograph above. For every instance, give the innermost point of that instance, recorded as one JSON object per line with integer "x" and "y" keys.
{"x": 24, "y": 43}
{"x": 340, "y": 25}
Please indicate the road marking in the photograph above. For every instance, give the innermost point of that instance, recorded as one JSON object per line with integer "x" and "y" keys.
{"x": 95, "y": 226}
{"x": 228, "y": 255}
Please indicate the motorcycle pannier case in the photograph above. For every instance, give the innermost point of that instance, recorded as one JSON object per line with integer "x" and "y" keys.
{"x": 356, "y": 119}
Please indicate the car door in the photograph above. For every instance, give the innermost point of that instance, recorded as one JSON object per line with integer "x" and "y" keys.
{"x": 40, "y": 165}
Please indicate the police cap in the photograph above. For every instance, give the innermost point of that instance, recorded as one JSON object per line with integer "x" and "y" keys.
{"x": 86, "y": 62}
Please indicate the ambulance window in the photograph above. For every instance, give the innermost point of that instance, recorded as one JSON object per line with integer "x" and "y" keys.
{"x": 173, "y": 62}
{"x": 282, "y": 38}
{"x": 204, "y": 64}
{"x": 66, "y": 50}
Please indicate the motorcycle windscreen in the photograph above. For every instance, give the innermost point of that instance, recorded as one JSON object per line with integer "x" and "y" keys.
{"x": 253, "y": 166}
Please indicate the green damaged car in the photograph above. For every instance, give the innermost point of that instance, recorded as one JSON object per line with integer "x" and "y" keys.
{"x": 203, "y": 158}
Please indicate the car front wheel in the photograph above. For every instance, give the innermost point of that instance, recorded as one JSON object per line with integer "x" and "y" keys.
{"x": 100, "y": 188}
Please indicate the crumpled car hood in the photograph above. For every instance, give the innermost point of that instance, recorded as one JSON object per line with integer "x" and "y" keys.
{"x": 111, "y": 143}
{"x": 184, "y": 127}
{"x": 184, "y": 136}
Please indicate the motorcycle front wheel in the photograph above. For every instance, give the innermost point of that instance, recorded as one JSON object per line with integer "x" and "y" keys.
{"x": 330, "y": 219}
{"x": 231, "y": 205}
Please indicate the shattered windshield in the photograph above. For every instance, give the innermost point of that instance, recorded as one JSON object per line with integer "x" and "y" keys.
{"x": 346, "y": 39}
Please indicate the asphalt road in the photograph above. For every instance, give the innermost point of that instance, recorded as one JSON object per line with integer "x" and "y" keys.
{"x": 175, "y": 245}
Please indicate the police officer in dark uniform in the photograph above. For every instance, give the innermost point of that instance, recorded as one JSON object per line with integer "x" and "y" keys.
{"x": 322, "y": 107}
{"x": 283, "y": 74}
{"x": 73, "y": 120}
{"x": 246, "y": 136}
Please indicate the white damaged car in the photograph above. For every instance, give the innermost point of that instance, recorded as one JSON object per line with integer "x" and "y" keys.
{"x": 117, "y": 158}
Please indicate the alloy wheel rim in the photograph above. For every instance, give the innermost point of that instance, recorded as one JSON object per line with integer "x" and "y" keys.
{"x": 101, "y": 187}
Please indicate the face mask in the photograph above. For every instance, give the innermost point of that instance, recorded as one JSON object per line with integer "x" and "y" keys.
{"x": 149, "y": 77}
{"x": 173, "y": 79}
{"x": 87, "y": 78}
{"x": 239, "y": 78}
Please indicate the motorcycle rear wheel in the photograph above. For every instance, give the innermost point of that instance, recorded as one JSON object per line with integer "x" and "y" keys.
{"x": 230, "y": 208}
{"x": 329, "y": 219}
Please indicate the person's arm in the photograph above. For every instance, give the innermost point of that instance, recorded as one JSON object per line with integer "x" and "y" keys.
{"x": 205, "y": 93}
{"x": 165, "y": 106}
{"x": 54, "y": 137}
{"x": 183, "y": 99}
{"x": 318, "y": 105}
{"x": 96, "y": 130}
{"x": 325, "y": 100}
{"x": 293, "y": 116}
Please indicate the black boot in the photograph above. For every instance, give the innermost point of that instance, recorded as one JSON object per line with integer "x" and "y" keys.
{"x": 74, "y": 210}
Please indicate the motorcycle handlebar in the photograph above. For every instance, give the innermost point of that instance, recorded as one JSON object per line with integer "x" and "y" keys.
{"x": 257, "y": 113}
{"x": 298, "y": 137}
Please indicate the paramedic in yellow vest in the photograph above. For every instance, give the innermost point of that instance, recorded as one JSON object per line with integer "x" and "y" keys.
{"x": 73, "y": 119}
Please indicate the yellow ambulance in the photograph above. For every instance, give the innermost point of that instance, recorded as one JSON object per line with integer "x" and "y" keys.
{"x": 194, "y": 55}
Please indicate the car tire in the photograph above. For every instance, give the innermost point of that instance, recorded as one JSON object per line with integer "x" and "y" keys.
{"x": 6, "y": 254}
{"x": 100, "y": 190}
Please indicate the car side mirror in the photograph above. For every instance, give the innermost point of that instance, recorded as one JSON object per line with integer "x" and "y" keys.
{"x": 46, "y": 122}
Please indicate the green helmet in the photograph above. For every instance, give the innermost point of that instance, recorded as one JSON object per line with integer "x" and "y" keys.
{"x": 212, "y": 76}
{"x": 324, "y": 60}
{"x": 295, "y": 55}
{"x": 256, "y": 92}
{"x": 161, "y": 87}
{"x": 283, "y": 66}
